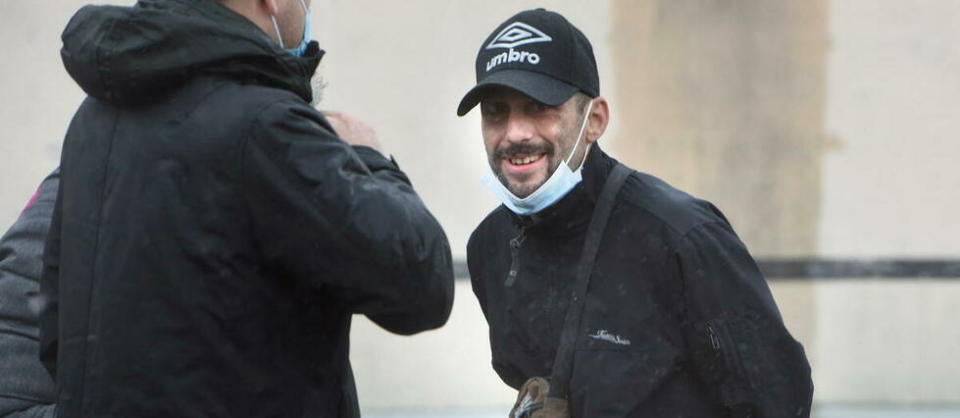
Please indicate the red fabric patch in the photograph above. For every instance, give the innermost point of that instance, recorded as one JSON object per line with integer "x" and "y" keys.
{"x": 33, "y": 199}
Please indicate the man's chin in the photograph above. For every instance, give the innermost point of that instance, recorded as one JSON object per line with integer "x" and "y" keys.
{"x": 522, "y": 190}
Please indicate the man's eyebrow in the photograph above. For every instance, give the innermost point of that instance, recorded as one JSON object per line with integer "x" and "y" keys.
{"x": 539, "y": 103}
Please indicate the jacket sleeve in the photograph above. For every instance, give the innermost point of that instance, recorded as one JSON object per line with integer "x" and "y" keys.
{"x": 345, "y": 220}
{"x": 39, "y": 411}
{"x": 26, "y": 388}
{"x": 740, "y": 345}
{"x": 474, "y": 249}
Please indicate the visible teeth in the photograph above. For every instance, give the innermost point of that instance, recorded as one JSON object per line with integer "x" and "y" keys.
{"x": 524, "y": 160}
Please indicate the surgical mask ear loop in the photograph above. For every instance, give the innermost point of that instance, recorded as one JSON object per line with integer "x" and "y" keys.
{"x": 583, "y": 127}
{"x": 276, "y": 27}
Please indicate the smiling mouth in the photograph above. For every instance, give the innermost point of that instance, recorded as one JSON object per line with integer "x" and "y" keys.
{"x": 521, "y": 160}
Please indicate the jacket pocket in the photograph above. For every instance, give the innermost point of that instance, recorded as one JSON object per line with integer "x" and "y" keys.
{"x": 728, "y": 369}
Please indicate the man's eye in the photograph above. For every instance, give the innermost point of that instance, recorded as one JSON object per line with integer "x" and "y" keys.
{"x": 491, "y": 108}
{"x": 540, "y": 107}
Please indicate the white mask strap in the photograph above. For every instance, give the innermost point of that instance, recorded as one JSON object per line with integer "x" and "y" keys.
{"x": 583, "y": 127}
{"x": 277, "y": 28}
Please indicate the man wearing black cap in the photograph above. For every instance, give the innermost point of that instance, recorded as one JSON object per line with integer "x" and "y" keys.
{"x": 606, "y": 288}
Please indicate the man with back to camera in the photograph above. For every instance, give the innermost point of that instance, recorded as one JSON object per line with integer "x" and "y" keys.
{"x": 213, "y": 234}
{"x": 657, "y": 310}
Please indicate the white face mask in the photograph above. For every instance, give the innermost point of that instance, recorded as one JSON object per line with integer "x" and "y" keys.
{"x": 561, "y": 182}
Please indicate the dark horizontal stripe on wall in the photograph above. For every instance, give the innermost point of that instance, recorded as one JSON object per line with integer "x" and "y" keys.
{"x": 819, "y": 268}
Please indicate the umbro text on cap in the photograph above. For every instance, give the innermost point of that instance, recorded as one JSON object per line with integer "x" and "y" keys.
{"x": 538, "y": 53}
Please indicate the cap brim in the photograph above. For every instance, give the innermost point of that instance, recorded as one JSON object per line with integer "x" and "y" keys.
{"x": 542, "y": 88}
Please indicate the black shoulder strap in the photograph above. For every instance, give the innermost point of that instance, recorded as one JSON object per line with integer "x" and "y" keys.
{"x": 563, "y": 362}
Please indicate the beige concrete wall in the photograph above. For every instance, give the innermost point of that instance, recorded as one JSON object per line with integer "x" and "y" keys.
{"x": 892, "y": 182}
{"x": 883, "y": 341}
{"x": 37, "y": 97}
{"x": 726, "y": 100}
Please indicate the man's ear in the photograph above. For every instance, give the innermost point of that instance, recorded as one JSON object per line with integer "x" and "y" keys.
{"x": 599, "y": 118}
{"x": 272, "y": 7}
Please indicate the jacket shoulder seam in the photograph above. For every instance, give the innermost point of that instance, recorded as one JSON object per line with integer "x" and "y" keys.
{"x": 678, "y": 231}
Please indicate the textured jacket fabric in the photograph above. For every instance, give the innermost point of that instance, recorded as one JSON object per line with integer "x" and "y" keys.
{"x": 678, "y": 320}
{"x": 213, "y": 236}
{"x": 26, "y": 389}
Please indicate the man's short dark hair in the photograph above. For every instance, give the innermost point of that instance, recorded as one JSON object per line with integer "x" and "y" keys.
{"x": 582, "y": 100}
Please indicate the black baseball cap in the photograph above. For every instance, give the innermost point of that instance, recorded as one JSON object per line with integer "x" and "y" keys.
{"x": 538, "y": 53}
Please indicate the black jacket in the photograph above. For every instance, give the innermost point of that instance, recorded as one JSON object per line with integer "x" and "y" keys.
{"x": 213, "y": 236}
{"x": 678, "y": 320}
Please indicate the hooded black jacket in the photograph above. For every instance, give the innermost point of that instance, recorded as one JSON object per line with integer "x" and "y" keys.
{"x": 678, "y": 320}
{"x": 213, "y": 236}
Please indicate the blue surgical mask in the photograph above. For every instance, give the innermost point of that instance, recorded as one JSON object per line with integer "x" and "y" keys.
{"x": 561, "y": 182}
{"x": 307, "y": 32}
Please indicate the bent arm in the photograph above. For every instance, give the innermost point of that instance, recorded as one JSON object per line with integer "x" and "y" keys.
{"x": 347, "y": 220}
{"x": 741, "y": 347}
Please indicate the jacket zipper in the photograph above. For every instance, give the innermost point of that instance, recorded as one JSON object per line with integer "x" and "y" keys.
{"x": 515, "y": 244}
{"x": 729, "y": 353}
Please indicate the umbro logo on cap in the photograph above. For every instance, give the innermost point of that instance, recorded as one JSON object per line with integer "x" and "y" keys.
{"x": 538, "y": 53}
{"x": 516, "y": 34}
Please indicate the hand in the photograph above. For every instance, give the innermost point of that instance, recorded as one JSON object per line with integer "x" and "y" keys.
{"x": 353, "y": 131}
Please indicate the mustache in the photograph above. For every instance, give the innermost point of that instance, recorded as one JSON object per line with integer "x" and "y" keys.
{"x": 523, "y": 149}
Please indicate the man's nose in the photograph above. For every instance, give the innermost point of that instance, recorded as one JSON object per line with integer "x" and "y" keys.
{"x": 519, "y": 128}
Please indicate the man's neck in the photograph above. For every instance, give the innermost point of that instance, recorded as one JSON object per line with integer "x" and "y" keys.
{"x": 254, "y": 11}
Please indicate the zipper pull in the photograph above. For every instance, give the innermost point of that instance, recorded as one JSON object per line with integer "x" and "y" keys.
{"x": 728, "y": 351}
{"x": 714, "y": 339}
{"x": 515, "y": 244}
